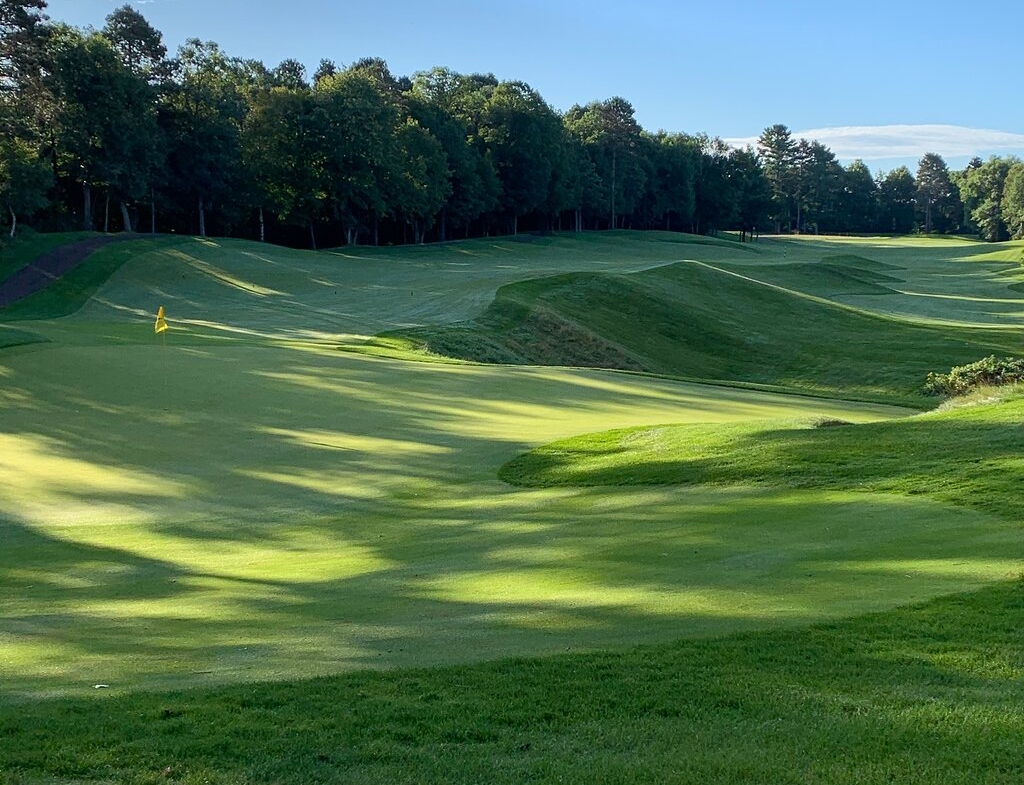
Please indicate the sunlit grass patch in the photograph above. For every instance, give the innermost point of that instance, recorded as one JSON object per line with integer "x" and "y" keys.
{"x": 965, "y": 455}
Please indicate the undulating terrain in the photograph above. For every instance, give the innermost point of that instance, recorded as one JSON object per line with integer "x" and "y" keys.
{"x": 610, "y": 507}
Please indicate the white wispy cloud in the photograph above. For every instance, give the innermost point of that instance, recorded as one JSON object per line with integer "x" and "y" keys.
{"x": 877, "y": 142}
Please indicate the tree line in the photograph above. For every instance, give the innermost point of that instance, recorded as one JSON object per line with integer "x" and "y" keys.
{"x": 102, "y": 130}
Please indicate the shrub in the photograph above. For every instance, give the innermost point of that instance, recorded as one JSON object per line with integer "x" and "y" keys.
{"x": 990, "y": 372}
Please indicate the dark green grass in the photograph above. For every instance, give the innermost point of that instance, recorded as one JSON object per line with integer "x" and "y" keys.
{"x": 10, "y": 336}
{"x": 71, "y": 291}
{"x": 16, "y": 254}
{"x": 930, "y": 694}
{"x": 833, "y": 276}
{"x": 969, "y": 456}
{"x": 692, "y": 320}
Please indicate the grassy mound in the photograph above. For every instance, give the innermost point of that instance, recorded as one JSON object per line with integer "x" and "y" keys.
{"x": 74, "y": 289}
{"x": 833, "y": 276}
{"x": 966, "y": 456}
{"x": 693, "y": 320}
{"x": 10, "y": 337}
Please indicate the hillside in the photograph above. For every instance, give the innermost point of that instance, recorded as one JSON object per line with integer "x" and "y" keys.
{"x": 699, "y": 321}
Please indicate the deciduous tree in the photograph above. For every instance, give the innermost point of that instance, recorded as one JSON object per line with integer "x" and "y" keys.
{"x": 24, "y": 179}
{"x": 1013, "y": 201}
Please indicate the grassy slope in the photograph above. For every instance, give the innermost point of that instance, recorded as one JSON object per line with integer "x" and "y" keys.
{"x": 246, "y": 503}
{"x": 16, "y": 254}
{"x": 967, "y": 456}
{"x": 73, "y": 290}
{"x": 699, "y": 321}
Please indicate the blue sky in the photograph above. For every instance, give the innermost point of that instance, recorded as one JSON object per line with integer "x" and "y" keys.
{"x": 884, "y": 81}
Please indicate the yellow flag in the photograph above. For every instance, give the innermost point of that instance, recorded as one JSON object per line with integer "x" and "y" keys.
{"x": 161, "y": 322}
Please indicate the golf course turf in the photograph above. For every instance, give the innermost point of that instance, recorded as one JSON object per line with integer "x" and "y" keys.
{"x": 313, "y": 534}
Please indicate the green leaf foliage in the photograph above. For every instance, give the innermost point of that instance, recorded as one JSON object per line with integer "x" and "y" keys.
{"x": 987, "y": 372}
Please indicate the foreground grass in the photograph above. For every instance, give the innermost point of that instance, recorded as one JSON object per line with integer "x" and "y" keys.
{"x": 931, "y": 695}
{"x": 183, "y": 515}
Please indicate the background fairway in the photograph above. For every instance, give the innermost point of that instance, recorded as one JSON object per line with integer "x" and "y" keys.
{"x": 241, "y": 501}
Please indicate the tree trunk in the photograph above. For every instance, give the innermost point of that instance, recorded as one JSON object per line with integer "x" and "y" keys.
{"x": 263, "y": 228}
{"x": 86, "y": 207}
{"x": 312, "y": 235}
{"x": 613, "y": 188}
{"x": 126, "y": 219}
{"x": 376, "y": 229}
{"x": 515, "y": 224}
{"x": 443, "y": 225}
{"x": 152, "y": 211}
{"x": 106, "y": 214}
{"x": 202, "y": 217}
{"x": 14, "y": 221}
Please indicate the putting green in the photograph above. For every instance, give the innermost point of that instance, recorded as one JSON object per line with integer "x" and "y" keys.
{"x": 247, "y": 502}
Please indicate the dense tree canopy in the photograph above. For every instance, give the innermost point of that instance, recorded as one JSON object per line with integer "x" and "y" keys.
{"x": 202, "y": 142}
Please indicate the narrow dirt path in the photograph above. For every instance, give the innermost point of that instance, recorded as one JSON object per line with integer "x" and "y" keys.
{"x": 39, "y": 274}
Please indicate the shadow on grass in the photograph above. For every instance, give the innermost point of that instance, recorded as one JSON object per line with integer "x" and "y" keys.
{"x": 968, "y": 459}
{"x": 927, "y": 694}
{"x": 260, "y": 513}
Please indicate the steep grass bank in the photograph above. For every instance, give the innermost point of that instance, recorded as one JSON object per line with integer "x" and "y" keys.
{"x": 697, "y": 321}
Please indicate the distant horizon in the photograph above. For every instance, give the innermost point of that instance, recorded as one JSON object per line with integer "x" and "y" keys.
{"x": 887, "y": 147}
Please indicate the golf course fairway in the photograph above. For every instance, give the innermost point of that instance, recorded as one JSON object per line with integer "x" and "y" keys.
{"x": 290, "y": 540}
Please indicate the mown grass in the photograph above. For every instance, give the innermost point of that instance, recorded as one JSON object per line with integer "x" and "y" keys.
{"x": 74, "y": 289}
{"x": 697, "y": 321}
{"x": 202, "y": 524}
{"x": 16, "y": 254}
{"x": 192, "y": 513}
{"x": 10, "y": 337}
{"x": 931, "y": 694}
{"x": 969, "y": 456}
